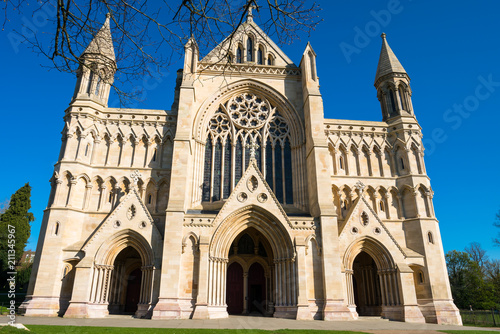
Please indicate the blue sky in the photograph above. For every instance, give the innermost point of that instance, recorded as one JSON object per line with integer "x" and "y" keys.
{"x": 450, "y": 49}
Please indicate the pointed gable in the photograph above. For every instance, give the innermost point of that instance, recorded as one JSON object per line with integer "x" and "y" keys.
{"x": 130, "y": 213}
{"x": 362, "y": 221}
{"x": 240, "y": 36}
{"x": 252, "y": 189}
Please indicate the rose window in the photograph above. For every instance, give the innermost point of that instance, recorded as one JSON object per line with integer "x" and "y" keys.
{"x": 248, "y": 110}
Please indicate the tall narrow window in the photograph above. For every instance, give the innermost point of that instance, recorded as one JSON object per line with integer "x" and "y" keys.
{"x": 87, "y": 149}
{"x": 258, "y": 154}
{"x": 91, "y": 79}
{"x": 288, "y": 173}
{"x": 239, "y": 55}
{"x": 393, "y": 104}
{"x": 249, "y": 49}
{"x": 217, "y": 171}
{"x": 278, "y": 173}
{"x": 421, "y": 277}
{"x": 154, "y": 155}
{"x": 341, "y": 162}
{"x": 260, "y": 56}
{"x": 270, "y": 60}
{"x": 98, "y": 85}
{"x": 382, "y": 208}
{"x": 207, "y": 172}
{"x": 227, "y": 169}
{"x": 269, "y": 163}
{"x": 247, "y": 152}
{"x": 56, "y": 228}
{"x": 238, "y": 161}
{"x": 149, "y": 198}
{"x": 430, "y": 238}
{"x": 402, "y": 162}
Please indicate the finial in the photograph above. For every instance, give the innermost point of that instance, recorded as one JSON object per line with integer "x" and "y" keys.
{"x": 135, "y": 176}
{"x": 360, "y": 186}
{"x": 250, "y": 7}
{"x": 253, "y": 147}
{"x": 383, "y": 35}
{"x": 108, "y": 15}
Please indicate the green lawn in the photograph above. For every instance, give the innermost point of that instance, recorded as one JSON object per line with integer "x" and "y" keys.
{"x": 470, "y": 332}
{"x": 41, "y": 329}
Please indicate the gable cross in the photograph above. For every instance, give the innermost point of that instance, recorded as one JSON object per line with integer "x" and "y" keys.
{"x": 135, "y": 176}
{"x": 253, "y": 146}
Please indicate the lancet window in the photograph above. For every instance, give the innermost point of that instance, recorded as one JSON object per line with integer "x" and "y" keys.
{"x": 243, "y": 124}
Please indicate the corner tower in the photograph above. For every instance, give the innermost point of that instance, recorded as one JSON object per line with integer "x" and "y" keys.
{"x": 97, "y": 68}
{"x": 393, "y": 84}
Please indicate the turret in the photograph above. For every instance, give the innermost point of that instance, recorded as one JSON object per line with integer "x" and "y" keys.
{"x": 97, "y": 68}
{"x": 393, "y": 84}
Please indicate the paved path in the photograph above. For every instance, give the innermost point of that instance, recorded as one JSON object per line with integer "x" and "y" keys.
{"x": 370, "y": 325}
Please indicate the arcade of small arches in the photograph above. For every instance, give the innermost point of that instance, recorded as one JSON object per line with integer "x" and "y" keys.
{"x": 388, "y": 203}
{"x": 101, "y": 194}
{"x": 375, "y": 161}
{"x": 249, "y": 50}
{"x": 395, "y": 98}
{"x": 117, "y": 150}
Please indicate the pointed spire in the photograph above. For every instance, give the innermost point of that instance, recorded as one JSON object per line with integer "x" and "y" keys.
{"x": 388, "y": 62}
{"x": 102, "y": 42}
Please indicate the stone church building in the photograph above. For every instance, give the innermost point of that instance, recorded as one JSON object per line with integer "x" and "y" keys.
{"x": 241, "y": 199}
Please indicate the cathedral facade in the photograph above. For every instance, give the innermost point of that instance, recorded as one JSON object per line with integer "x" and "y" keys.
{"x": 241, "y": 199}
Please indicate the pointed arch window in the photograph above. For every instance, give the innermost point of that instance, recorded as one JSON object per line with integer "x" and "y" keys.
{"x": 247, "y": 121}
{"x": 393, "y": 104}
{"x": 91, "y": 79}
{"x": 260, "y": 56}
{"x": 239, "y": 55}
{"x": 249, "y": 49}
{"x": 430, "y": 237}
{"x": 270, "y": 60}
{"x": 98, "y": 85}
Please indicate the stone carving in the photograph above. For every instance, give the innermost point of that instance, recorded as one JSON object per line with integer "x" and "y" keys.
{"x": 242, "y": 197}
{"x": 249, "y": 111}
{"x": 131, "y": 212}
{"x": 135, "y": 176}
{"x": 262, "y": 197}
{"x": 252, "y": 183}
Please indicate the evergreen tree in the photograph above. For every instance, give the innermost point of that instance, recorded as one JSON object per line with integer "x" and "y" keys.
{"x": 15, "y": 218}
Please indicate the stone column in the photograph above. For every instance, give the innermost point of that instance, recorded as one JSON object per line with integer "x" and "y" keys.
{"x": 201, "y": 306}
{"x": 303, "y": 312}
{"x": 71, "y": 192}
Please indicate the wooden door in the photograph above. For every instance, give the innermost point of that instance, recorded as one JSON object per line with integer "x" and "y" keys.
{"x": 234, "y": 292}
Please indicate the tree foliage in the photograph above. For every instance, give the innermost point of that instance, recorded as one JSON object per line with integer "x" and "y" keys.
{"x": 149, "y": 35}
{"x": 16, "y": 218}
{"x": 474, "y": 280}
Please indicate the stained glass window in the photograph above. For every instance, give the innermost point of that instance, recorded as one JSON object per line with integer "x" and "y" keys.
{"x": 257, "y": 121}
{"x": 217, "y": 171}
{"x": 227, "y": 169}
{"x": 207, "y": 169}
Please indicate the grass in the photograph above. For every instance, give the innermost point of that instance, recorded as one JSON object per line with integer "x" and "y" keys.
{"x": 470, "y": 332}
{"x": 42, "y": 329}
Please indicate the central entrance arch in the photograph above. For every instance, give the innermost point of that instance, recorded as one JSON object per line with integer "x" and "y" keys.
{"x": 260, "y": 243}
{"x": 249, "y": 275}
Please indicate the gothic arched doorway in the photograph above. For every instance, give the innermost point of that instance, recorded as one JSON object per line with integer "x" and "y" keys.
{"x": 248, "y": 275}
{"x": 126, "y": 280}
{"x": 366, "y": 286}
{"x": 372, "y": 279}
